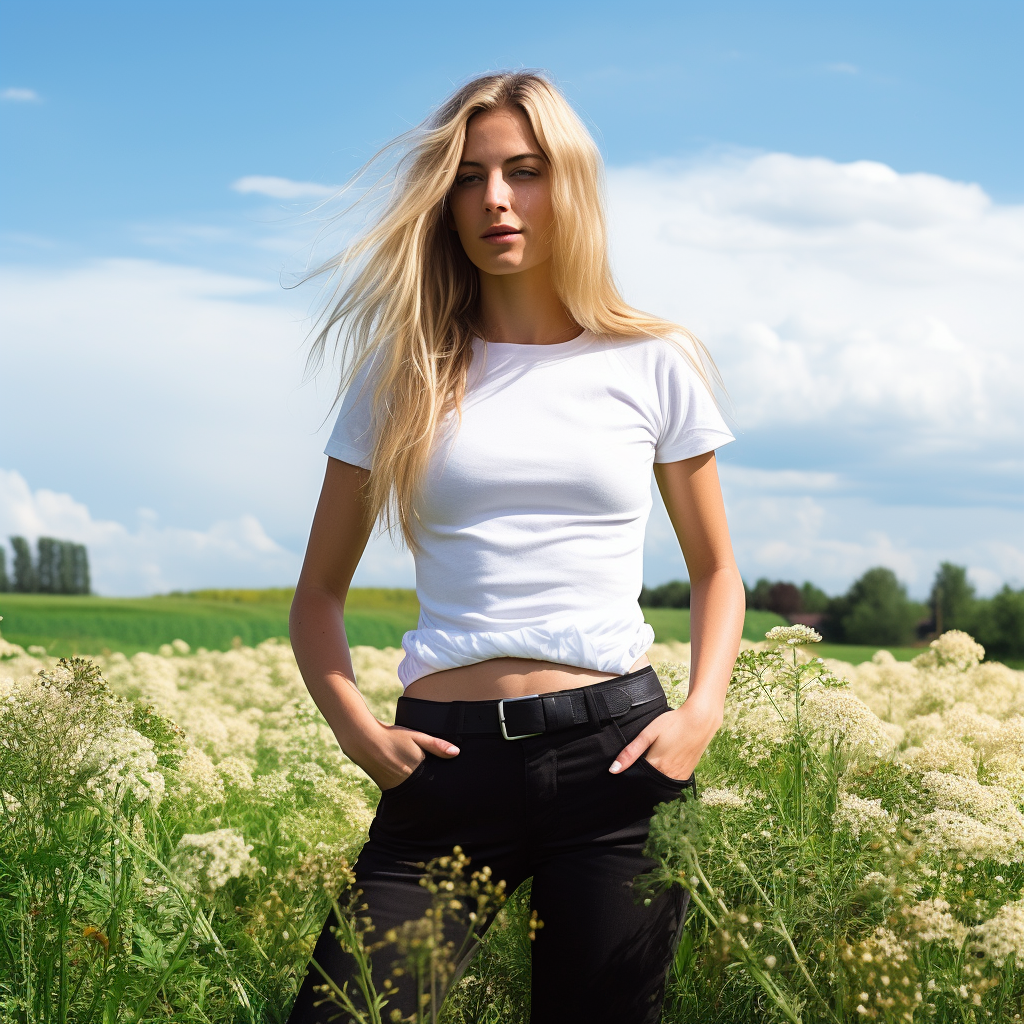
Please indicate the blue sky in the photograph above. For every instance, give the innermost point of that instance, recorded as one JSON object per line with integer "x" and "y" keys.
{"x": 747, "y": 147}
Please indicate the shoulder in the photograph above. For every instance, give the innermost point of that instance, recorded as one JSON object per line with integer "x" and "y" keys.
{"x": 654, "y": 358}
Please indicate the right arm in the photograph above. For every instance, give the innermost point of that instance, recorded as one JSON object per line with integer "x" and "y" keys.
{"x": 387, "y": 753}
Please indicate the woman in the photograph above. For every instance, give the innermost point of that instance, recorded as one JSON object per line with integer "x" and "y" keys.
{"x": 505, "y": 411}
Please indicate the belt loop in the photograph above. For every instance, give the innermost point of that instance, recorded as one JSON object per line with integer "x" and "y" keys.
{"x": 592, "y": 713}
{"x": 460, "y": 717}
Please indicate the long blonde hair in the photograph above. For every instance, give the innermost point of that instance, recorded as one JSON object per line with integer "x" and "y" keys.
{"x": 406, "y": 293}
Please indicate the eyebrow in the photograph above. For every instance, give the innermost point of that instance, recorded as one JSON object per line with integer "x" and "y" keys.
{"x": 510, "y": 160}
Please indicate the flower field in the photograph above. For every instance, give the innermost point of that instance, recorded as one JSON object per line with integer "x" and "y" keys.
{"x": 175, "y": 825}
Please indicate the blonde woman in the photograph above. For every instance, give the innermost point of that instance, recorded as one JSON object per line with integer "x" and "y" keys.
{"x": 504, "y": 409}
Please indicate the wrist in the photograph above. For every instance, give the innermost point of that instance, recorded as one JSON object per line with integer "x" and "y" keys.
{"x": 357, "y": 737}
{"x": 707, "y": 711}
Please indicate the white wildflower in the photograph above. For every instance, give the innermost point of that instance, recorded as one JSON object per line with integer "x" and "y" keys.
{"x": 1002, "y": 934}
{"x": 126, "y": 764}
{"x": 946, "y": 832}
{"x": 931, "y": 921}
{"x": 792, "y": 636}
{"x": 944, "y": 754}
{"x": 272, "y": 788}
{"x": 958, "y": 649}
{"x": 836, "y": 715}
{"x": 197, "y": 780}
{"x": 863, "y": 817}
{"x": 180, "y": 647}
{"x": 236, "y": 774}
{"x": 209, "y": 860}
{"x": 722, "y": 797}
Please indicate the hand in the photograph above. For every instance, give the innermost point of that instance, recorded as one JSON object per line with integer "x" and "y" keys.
{"x": 392, "y": 753}
{"x": 673, "y": 742}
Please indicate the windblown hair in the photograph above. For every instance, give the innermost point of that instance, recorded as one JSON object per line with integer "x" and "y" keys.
{"x": 406, "y": 294}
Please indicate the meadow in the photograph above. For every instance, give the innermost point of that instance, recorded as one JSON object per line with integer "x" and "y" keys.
{"x": 177, "y": 823}
{"x": 218, "y": 619}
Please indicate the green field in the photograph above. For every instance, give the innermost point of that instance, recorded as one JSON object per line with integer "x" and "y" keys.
{"x": 215, "y": 618}
{"x": 674, "y": 623}
{"x": 211, "y": 619}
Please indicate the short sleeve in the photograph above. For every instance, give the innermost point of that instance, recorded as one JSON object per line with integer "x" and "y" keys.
{"x": 351, "y": 439}
{"x": 690, "y": 421}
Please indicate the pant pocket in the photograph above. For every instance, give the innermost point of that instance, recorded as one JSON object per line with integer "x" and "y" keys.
{"x": 667, "y": 780}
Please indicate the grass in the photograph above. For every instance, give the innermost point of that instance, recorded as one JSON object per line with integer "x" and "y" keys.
{"x": 375, "y": 616}
{"x": 674, "y": 623}
{"x": 211, "y": 619}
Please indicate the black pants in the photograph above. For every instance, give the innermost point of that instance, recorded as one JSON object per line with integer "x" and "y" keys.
{"x": 545, "y": 807}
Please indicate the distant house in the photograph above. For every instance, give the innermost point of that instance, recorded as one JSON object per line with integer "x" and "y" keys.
{"x": 812, "y": 619}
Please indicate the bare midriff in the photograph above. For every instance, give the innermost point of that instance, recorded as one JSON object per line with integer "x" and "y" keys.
{"x": 506, "y": 677}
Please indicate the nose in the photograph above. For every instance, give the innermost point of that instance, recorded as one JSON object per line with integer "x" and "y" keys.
{"x": 498, "y": 196}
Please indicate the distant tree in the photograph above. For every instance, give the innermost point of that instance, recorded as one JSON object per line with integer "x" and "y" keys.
{"x": 674, "y": 594}
{"x": 758, "y": 597}
{"x": 998, "y": 623}
{"x": 876, "y": 610}
{"x": 48, "y": 565}
{"x": 784, "y": 599}
{"x": 952, "y": 598}
{"x": 5, "y": 583}
{"x": 77, "y": 574}
{"x": 812, "y": 599}
{"x": 24, "y": 569}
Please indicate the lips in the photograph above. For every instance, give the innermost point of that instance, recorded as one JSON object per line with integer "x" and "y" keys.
{"x": 501, "y": 232}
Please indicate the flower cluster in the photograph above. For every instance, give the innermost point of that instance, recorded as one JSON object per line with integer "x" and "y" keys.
{"x": 210, "y": 860}
{"x": 863, "y": 817}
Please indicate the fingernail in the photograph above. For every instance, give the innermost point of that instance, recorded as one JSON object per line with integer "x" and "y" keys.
{"x": 453, "y": 750}
{"x": 616, "y": 767}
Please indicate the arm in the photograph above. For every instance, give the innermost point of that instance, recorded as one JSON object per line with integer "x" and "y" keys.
{"x": 675, "y": 741}
{"x": 388, "y": 754}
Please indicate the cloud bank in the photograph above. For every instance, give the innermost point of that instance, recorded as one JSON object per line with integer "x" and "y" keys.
{"x": 152, "y": 558}
{"x": 867, "y": 324}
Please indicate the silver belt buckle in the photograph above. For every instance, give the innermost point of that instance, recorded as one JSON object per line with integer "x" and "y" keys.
{"x": 501, "y": 717}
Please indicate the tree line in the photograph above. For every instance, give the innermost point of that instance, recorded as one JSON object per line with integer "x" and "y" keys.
{"x": 877, "y": 610}
{"x": 58, "y": 567}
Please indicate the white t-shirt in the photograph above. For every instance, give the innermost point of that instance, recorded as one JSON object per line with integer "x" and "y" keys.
{"x": 533, "y": 511}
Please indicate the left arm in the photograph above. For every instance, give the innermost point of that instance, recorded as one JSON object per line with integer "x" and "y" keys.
{"x": 674, "y": 742}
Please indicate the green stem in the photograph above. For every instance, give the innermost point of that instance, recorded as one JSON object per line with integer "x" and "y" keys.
{"x": 206, "y": 931}
{"x": 151, "y": 994}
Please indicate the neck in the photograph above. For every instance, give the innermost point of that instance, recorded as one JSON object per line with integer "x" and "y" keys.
{"x": 524, "y": 308}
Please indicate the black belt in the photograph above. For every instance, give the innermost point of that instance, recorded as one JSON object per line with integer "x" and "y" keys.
{"x": 516, "y": 718}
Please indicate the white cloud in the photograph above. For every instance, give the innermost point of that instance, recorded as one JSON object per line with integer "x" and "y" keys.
{"x": 152, "y": 558}
{"x": 839, "y": 299}
{"x": 785, "y": 527}
{"x": 283, "y": 188}
{"x": 867, "y": 324}
{"x": 138, "y": 384}
{"x": 20, "y": 96}
{"x": 842, "y": 68}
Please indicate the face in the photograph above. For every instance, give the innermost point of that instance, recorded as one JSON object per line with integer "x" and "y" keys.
{"x": 501, "y": 201}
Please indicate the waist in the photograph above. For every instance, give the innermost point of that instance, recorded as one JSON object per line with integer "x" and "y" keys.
{"x": 531, "y": 715}
{"x": 502, "y": 678}
{"x": 602, "y": 647}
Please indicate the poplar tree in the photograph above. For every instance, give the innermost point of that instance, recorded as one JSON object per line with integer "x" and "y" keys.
{"x": 47, "y": 565}
{"x": 5, "y": 583}
{"x": 24, "y": 571}
{"x": 78, "y": 574}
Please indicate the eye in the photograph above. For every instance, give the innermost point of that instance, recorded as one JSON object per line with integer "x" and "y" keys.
{"x": 525, "y": 172}
{"x": 467, "y": 179}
